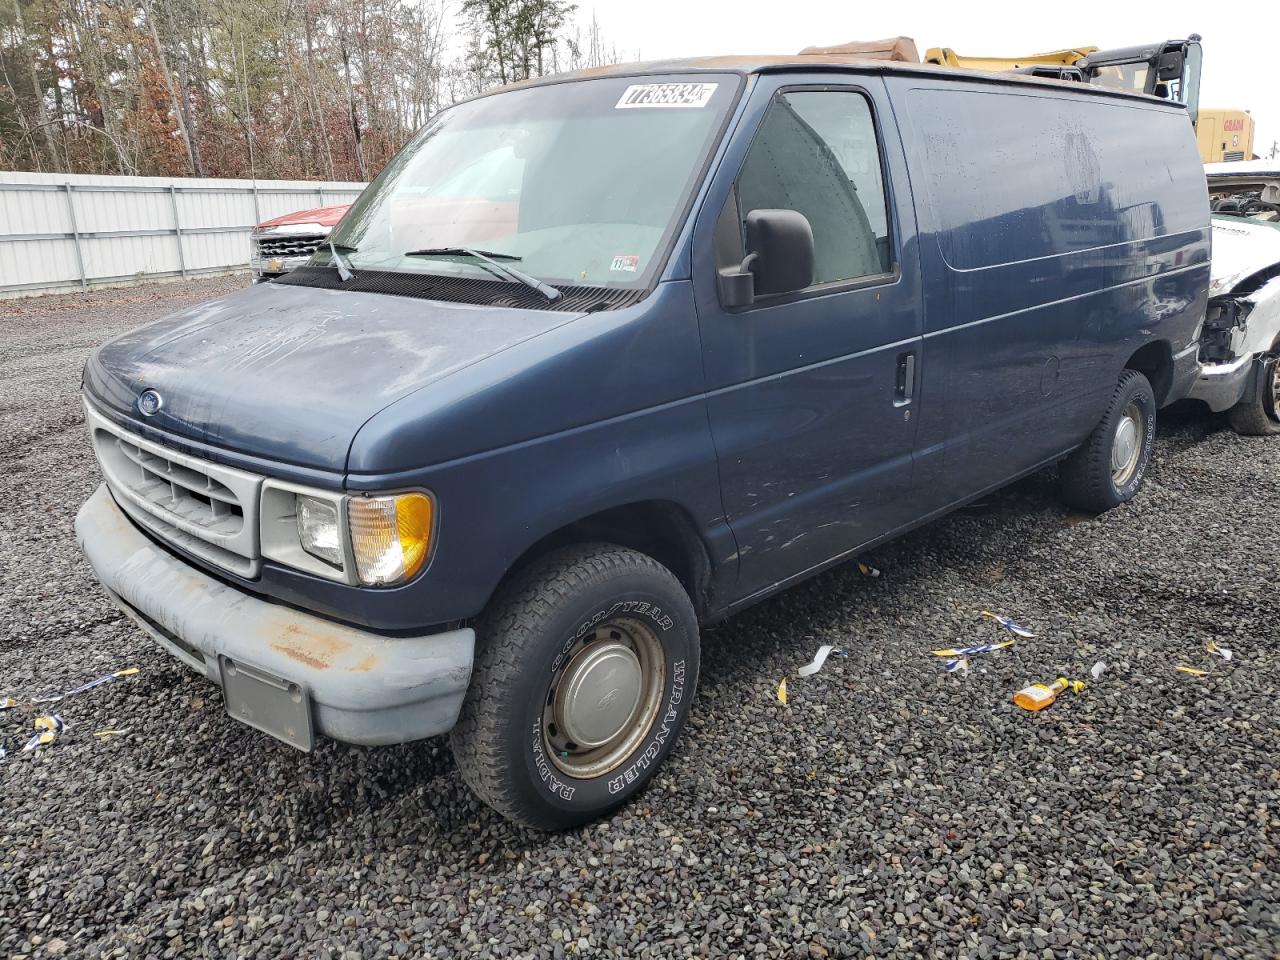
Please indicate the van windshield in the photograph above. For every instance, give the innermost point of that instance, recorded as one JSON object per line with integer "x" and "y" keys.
{"x": 576, "y": 183}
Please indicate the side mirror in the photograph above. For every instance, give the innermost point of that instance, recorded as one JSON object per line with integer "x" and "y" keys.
{"x": 1170, "y": 65}
{"x": 779, "y": 258}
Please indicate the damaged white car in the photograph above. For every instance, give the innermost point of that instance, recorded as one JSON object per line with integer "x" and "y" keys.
{"x": 1240, "y": 339}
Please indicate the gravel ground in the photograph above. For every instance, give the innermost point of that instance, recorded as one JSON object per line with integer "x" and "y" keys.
{"x": 891, "y": 809}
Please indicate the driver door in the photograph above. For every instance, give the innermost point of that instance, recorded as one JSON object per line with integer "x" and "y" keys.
{"x": 813, "y": 394}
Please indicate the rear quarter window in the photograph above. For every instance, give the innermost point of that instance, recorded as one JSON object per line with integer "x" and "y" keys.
{"x": 1012, "y": 177}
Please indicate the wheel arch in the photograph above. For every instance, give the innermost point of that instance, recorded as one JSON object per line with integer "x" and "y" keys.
{"x": 1154, "y": 360}
{"x": 661, "y": 529}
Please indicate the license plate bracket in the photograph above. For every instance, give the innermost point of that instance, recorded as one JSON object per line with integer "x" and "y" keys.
{"x": 275, "y": 705}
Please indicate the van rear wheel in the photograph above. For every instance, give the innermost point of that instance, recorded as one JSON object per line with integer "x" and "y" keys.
{"x": 1259, "y": 415}
{"x": 1109, "y": 467}
{"x": 585, "y": 668}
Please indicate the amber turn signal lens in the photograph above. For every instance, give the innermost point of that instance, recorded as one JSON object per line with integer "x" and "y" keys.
{"x": 390, "y": 536}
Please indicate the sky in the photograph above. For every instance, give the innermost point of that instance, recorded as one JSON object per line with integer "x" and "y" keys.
{"x": 1237, "y": 53}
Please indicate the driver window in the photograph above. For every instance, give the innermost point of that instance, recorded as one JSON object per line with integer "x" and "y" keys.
{"x": 816, "y": 153}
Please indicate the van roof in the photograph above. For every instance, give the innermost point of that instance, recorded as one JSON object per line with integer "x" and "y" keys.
{"x": 826, "y": 63}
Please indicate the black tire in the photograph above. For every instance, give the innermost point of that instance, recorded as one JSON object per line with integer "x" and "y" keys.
{"x": 529, "y": 636}
{"x": 1088, "y": 482}
{"x": 1259, "y": 415}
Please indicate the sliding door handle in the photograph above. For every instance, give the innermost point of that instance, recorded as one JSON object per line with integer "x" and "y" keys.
{"x": 906, "y": 377}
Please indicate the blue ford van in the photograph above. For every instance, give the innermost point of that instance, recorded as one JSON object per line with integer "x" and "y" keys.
{"x": 601, "y": 358}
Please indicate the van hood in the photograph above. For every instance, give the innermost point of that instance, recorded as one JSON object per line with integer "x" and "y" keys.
{"x": 290, "y": 373}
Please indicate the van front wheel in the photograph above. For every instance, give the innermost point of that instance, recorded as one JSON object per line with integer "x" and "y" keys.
{"x": 585, "y": 668}
{"x": 1109, "y": 467}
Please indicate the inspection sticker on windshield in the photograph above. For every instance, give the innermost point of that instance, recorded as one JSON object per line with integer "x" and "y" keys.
{"x": 665, "y": 95}
{"x": 629, "y": 262}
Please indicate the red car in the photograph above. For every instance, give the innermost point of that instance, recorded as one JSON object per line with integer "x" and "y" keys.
{"x": 284, "y": 243}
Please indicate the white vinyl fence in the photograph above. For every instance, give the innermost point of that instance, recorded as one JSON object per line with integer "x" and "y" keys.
{"x": 72, "y": 232}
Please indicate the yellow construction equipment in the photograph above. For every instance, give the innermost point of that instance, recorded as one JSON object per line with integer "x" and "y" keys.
{"x": 1169, "y": 69}
{"x": 1060, "y": 58}
{"x": 1225, "y": 135}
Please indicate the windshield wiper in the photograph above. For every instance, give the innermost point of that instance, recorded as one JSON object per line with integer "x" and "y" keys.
{"x": 493, "y": 260}
{"x": 463, "y": 252}
{"x": 344, "y": 272}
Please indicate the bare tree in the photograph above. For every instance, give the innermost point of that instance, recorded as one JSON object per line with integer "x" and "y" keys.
{"x": 163, "y": 63}
{"x": 300, "y": 88}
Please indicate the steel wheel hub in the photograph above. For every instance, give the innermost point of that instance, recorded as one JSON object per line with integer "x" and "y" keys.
{"x": 604, "y": 699}
{"x": 599, "y": 694}
{"x": 1126, "y": 449}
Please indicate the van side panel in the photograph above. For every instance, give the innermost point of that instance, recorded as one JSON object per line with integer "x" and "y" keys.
{"x": 1060, "y": 232}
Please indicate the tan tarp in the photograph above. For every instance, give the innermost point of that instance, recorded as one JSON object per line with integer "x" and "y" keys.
{"x": 897, "y": 48}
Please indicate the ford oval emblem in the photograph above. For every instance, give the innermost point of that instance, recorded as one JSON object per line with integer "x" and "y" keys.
{"x": 149, "y": 403}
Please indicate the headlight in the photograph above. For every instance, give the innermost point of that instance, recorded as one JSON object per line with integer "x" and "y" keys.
{"x": 318, "y": 529}
{"x": 390, "y": 536}
{"x": 378, "y": 541}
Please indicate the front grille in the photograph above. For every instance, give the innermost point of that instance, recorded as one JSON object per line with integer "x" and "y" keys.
{"x": 205, "y": 508}
{"x": 1232, "y": 155}
{"x": 286, "y": 246}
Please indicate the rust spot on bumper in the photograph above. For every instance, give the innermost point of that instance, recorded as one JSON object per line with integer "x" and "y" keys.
{"x": 314, "y": 648}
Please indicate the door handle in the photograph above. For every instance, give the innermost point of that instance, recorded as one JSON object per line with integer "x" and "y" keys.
{"x": 906, "y": 386}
